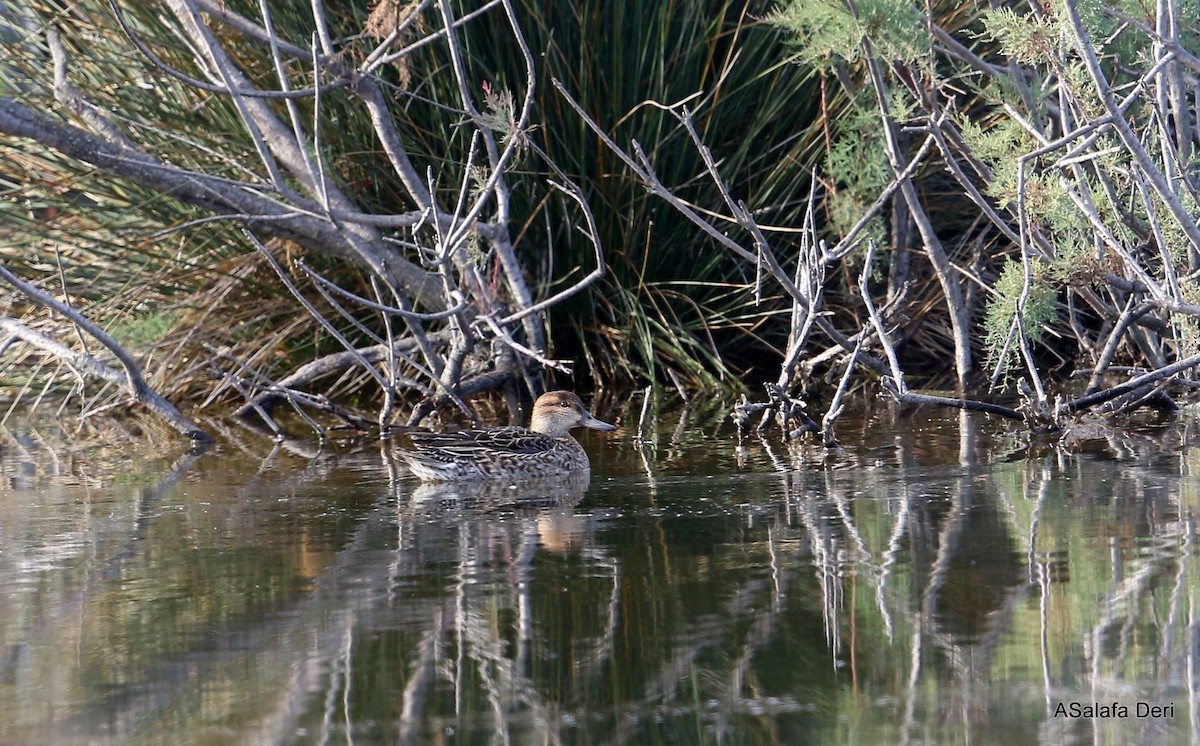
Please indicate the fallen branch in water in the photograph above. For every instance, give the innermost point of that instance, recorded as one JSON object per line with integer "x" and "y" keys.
{"x": 787, "y": 411}
{"x": 129, "y": 377}
{"x": 1154, "y": 376}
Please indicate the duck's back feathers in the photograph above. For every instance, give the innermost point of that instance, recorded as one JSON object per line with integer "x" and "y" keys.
{"x": 471, "y": 442}
{"x": 496, "y": 453}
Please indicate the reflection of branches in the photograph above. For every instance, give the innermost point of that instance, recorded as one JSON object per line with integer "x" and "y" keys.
{"x": 420, "y": 678}
{"x": 599, "y": 650}
{"x": 482, "y": 654}
{"x": 1037, "y": 568}
{"x": 966, "y": 655}
{"x": 759, "y": 633}
{"x": 817, "y": 535}
{"x": 1157, "y": 572}
{"x": 660, "y": 691}
{"x": 825, "y": 551}
{"x": 889, "y": 558}
{"x": 109, "y": 571}
{"x": 330, "y": 593}
{"x": 268, "y": 638}
{"x": 1119, "y": 608}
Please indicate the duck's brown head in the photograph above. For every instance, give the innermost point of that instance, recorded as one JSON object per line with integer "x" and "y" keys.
{"x": 557, "y": 413}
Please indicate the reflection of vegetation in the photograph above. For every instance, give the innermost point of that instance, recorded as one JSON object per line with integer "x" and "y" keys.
{"x": 911, "y": 601}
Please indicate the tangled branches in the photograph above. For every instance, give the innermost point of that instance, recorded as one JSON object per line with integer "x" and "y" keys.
{"x": 448, "y": 307}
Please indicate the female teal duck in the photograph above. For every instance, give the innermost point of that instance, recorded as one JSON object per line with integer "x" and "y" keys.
{"x": 544, "y": 449}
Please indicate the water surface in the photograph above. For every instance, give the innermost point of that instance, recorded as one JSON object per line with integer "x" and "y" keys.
{"x": 935, "y": 582}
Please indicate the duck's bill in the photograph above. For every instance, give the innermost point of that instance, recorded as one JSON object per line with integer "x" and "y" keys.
{"x": 596, "y": 424}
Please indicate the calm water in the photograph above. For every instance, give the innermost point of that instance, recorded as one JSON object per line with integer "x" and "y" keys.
{"x": 936, "y": 582}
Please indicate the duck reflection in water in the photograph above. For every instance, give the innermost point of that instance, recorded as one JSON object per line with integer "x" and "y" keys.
{"x": 545, "y": 505}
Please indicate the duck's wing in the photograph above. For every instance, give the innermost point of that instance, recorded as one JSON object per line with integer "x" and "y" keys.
{"x": 509, "y": 440}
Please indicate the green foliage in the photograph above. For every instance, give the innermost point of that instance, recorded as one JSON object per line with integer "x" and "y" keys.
{"x": 858, "y": 156}
{"x": 857, "y": 163}
{"x": 845, "y": 208}
{"x": 1039, "y": 309}
{"x": 1174, "y": 238}
{"x": 998, "y": 147}
{"x": 1075, "y": 263}
{"x": 1082, "y": 89}
{"x": 500, "y": 115}
{"x": 1034, "y": 39}
{"x": 1096, "y": 23}
{"x": 826, "y": 31}
{"x": 1047, "y": 201}
{"x": 1030, "y": 39}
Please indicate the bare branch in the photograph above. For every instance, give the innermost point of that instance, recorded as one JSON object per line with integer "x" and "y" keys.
{"x": 129, "y": 377}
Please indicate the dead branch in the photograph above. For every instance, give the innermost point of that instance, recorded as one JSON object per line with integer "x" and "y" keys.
{"x": 1093, "y": 400}
{"x": 252, "y": 208}
{"x": 128, "y": 378}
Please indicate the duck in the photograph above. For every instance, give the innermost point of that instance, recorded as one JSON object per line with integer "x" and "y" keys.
{"x": 544, "y": 449}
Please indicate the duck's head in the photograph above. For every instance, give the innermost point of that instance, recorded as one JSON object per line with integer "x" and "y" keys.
{"x": 557, "y": 413}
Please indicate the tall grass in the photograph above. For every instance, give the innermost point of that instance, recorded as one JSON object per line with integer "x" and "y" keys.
{"x": 672, "y": 300}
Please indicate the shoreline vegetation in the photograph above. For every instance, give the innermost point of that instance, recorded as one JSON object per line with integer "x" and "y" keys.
{"x": 374, "y": 212}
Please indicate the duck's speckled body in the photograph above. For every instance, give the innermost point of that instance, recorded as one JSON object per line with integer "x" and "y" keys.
{"x": 546, "y": 448}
